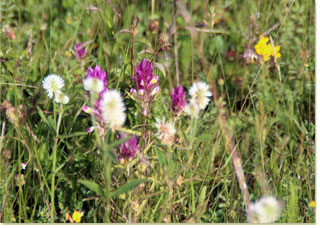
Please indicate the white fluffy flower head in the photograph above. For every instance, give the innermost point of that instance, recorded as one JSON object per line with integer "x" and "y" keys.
{"x": 166, "y": 131}
{"x": 93, "y": 84}
{"x": 266, "y": 210}
{"x": 61, "y": 98}
{"x": 199, "y": 93}
{"x": 52, "y": 84}
{"x": 113, "y": 109}
{"x": 192, "y": 110}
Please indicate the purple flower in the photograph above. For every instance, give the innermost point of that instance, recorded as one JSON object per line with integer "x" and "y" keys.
{"x": 146, "y": 83}
{"x": 96, "y": 80}
{"x": 80, "y": 50}
{"x": 143, "y": 77}
{"x": 129, "y": 148}
{"x": 178, "y": 99}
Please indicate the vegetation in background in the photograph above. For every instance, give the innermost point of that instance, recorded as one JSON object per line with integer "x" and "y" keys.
{"x": 245, "y": 154}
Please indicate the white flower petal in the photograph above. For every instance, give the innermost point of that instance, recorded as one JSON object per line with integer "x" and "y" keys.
{"x": 52, "y": 84}
{"x": 113, "y": 109}
{"x": 266, "y": 210}
{"x": 61, "y": 98}
{"x": 199, "y": 93}
{"x": 165, "y": 131}
{"x": 93, "y": 85}
{"x": 192, "y": 110}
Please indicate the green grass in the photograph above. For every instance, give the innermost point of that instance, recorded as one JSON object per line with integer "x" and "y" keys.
{"x": 272, "y": 121}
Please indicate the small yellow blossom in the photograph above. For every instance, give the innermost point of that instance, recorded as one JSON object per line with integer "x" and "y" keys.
{"x": 276, "y": 51}
{"x": 312, "y": 204}
{"x": 76, "y": 216}
{"x": 266, "y": 50}
{"x": 68, "y": 54}
{"x": 261, "y": 45}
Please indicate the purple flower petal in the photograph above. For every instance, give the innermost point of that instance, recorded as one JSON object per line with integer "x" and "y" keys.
{"x": 178, "y": 99}
{"x": 80, "y": 50}
{"x": 129, "y": 148}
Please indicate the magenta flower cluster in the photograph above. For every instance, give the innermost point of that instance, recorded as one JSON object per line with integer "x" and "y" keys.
{"x": 100, "y": 75}
{"x": 96, "y": 81}
{"x": 80, "y": 50}
{"x": 178, "y": 101}
{"x": 144, "y": 77}
{"x": 129, "y": 148}
{"x": 146, "y": 83}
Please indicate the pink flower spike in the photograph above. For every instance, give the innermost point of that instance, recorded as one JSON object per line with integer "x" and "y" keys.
{"x": 80, "y": 50}
{"x": 96, "y": 80}
{"x": 178, "y": 101}
{"x": 128, "y": 149}
{"x": 144, "y": 76}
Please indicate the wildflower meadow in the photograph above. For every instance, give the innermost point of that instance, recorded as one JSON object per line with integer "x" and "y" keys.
{"x": 157, "y": 111}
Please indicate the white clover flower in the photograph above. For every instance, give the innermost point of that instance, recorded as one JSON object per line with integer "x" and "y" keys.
{"x": 266, "y": 210}
{"x": 61, "y": 98}
{"x": 165, "y": 131}
{"x": 113, "y": 108}
{"x": 199, "y": 93}
{"x": 52, "y": 84}
{"x": 93, "y": 84}
{"x": 192, "y": 110}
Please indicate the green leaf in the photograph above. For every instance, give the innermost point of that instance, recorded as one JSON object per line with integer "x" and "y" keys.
{"x": 143, "y": 41}
{"x": 117, "y": 143}
{"x": 202, "y": 195}
{"x": 161, "y": 157}
{"x": 93, "y": 187}
{"x": 171, "y": 166}
{"x": 127, "y": 187}
{"x": 44, "y": 118}
{"x": 161, "y": 68}
{"x": 109, "y": 153}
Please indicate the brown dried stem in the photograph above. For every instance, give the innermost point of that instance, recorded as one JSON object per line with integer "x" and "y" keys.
{"x": 229, "y": 140}
{"x": 113, "y": 8}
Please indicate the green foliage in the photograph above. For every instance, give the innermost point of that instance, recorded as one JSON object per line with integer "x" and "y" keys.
{"x": 271, "y": 111}
{"x": 127, "y": 187}
{"x": 293, "y": 208}
{"x": 93, "y": 187}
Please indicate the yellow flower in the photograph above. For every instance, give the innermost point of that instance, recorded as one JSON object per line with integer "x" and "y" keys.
{"x": 266, "y": 50}
{"x": 276, "y": 52}
{"x": 76, "y": 216}
{"x": 261, "y": 45}
{"x": 68, "y": 54}
{"x": 312, "y": 204}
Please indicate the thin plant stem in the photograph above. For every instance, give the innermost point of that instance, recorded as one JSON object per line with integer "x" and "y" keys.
{"x": 107, "y": 172}
{"x": 54, "y": 163}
